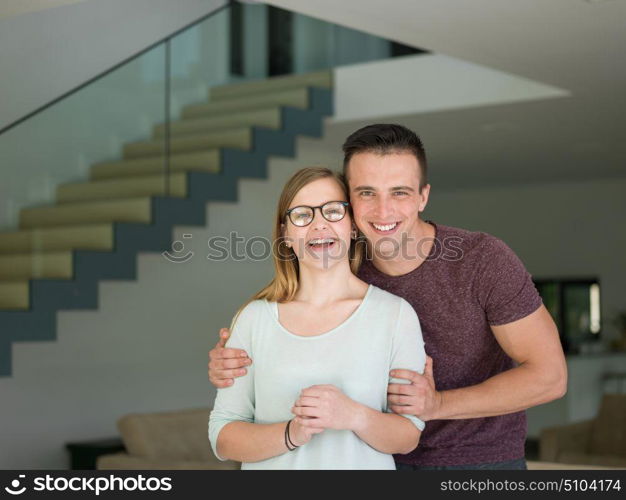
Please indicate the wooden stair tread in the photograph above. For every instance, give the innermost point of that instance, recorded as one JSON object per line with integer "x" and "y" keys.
{"x": 203, "y": 161}
{"x": 298, "y": 98}
{"x": 63, "y": 238}
{"x": 86, "y": 212}
{"x": 53, "y": 265}
{"x": 323, "y": 78}
{"x": 147, "y": 185}
{"x": 14, "y": 295}
{"x": 240, "y": 138}
{"x": 268, "y": 117}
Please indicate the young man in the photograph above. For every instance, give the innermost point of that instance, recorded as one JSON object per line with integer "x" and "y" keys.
{"x": 495, "y": 349}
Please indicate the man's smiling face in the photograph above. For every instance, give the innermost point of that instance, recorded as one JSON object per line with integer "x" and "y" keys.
{"x": 385, "y": 197}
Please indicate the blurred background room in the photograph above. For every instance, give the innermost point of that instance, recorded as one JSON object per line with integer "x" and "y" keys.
{"x": 132, "y": 132}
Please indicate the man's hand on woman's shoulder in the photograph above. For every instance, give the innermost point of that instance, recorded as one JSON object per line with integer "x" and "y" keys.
{"x": 226, "y": 364}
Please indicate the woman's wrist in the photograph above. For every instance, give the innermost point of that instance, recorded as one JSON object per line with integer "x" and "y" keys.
{"x": 360, "y": 417}
{"x": 290, "y": 439}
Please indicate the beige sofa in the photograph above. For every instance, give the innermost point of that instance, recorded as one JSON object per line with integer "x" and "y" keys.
{"x": 165, "y": 441}
{"x": 178, "y": 440}
{"x": 600, "y": 441}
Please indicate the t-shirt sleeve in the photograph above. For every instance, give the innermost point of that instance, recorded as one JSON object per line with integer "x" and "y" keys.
{"x": 504, "y": 288}
{"x": 235, "y": 403}
{"x": 407, "y": 350}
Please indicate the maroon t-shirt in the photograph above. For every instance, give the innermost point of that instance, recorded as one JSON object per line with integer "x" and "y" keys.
{"x": 469, "y": 281}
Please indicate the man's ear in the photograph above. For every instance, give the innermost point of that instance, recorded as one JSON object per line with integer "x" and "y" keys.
{"x": 424, "y": 193}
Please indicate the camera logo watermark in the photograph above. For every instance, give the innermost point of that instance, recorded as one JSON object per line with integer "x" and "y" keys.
{"x": 178, "y": 247}
{"x": 15, "y": 489}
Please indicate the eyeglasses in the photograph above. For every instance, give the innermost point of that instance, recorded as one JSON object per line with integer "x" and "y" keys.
{"x": 332, "y": 211}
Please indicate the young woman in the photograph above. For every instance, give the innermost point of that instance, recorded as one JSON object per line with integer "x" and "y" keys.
{"x": 323, "y": 342}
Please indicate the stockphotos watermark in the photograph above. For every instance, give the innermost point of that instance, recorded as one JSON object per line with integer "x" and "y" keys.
{"x": 238, "y": 248}
{"x": 84, "y": 484}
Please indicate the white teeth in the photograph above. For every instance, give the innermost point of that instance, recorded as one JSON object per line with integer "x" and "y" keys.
{"x": 388, "y": 227}
{"x": 321, "y": 241}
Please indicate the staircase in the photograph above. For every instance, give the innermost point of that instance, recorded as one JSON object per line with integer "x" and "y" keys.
{"x": 60, "y": 252}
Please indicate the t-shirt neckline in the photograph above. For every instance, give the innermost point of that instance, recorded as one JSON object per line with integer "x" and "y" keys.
{"x": 431, "y": 253}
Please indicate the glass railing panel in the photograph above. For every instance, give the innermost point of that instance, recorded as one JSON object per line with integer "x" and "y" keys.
{"x": 137, "y": 120}
{"x": 248, "y": 42}
{"x": 201, "y": 58}
{"x": 51, "y": 157}
{"x": 278, "y": 42}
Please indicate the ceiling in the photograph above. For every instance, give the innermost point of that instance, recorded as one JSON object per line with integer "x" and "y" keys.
{"x": 575, "y": 45}
{"x": 15, "y": 7}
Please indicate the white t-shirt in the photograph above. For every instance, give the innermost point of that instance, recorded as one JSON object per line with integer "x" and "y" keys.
{"x": 356, "y": 356}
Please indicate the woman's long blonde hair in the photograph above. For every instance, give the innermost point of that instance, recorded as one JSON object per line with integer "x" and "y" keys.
{"x": 284, "y": 285}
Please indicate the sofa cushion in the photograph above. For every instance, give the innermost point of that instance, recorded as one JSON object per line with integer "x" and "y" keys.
{"x": 608, "y": 433}
{"x": 123, "y": 461}
{"x": 177, "y": 435}
{"x": 532, "y": 465}
{"x": 570, "y": 457}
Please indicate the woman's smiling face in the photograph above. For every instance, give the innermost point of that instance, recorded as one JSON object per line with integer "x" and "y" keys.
{"x": 321, "y": 243}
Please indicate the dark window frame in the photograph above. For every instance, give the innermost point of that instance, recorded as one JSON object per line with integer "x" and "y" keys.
{"x": 561, "y": 319}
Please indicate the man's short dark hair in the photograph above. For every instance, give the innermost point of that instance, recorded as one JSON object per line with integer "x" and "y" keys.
{"x": 382, "y": 139}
